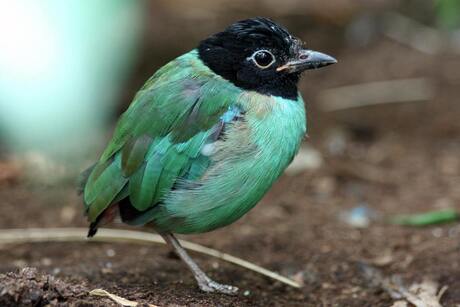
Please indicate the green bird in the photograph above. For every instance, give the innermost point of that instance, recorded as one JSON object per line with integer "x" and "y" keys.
{"x": 206, "y": 137}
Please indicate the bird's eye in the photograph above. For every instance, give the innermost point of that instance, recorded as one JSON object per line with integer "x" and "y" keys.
{"x": 263, "y": 58}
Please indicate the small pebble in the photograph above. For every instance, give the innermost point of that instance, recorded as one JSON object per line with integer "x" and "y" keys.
{"x": 359, "y": 216}
{"x": 110, "y": 253}
{"x": 106, "y": 270}
{"x": 46, "y": 261}
{"x": 437, "y": 232}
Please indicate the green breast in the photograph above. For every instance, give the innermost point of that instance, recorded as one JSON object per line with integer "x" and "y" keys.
{"x": 244, "y": 165}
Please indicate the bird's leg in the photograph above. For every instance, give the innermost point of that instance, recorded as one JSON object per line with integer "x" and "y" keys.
{"x": 204, "y": 282}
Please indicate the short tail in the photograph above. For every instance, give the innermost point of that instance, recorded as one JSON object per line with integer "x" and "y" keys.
{"x": 92, "y": 229}
{"x": 105, "y": 217}
{"x": 81, "y": 182}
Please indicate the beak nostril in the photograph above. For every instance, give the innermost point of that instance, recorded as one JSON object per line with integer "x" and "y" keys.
{"x": 303, "y": 56}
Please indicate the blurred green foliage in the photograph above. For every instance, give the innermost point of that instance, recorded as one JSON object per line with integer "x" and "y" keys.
{"x": 428, "y": 218}
{"x": 448, "y": 12}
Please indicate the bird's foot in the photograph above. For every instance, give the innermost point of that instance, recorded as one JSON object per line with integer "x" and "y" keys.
{"x": 205, "y": 283}
{"x": 209, "y": 285}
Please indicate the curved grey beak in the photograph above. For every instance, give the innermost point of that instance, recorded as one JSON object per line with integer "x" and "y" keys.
{"x": 307, "y": 59}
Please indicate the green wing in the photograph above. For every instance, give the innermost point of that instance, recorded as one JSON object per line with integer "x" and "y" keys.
{"x": 159, "y": 138}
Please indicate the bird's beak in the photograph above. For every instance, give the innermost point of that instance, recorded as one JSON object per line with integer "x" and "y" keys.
{"x": 307, "y": 59}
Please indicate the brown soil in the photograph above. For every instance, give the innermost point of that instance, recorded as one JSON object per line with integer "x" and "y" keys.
{"x": 295, "y": 230}
{"x": 397, "y": 159}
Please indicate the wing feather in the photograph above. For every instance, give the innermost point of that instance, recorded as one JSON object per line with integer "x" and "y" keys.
{"x": 159, "y": 138}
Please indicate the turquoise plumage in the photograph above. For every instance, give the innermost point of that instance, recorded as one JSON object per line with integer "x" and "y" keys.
{"x": 159, "y": 141}
{"x": 206, "y": 136}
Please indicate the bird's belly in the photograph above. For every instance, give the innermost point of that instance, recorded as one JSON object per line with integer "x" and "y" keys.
{"x": 228, "y": 190}
{"x": 245, "y": 164}
{"x": 219, "y": 200}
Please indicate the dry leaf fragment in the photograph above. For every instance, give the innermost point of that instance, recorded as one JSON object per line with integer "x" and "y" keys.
{"x": 384, "y": 259}
{"x": 400, "y": 304}
{"x": 117, "y": 299}
{"x": 424, "y": 294}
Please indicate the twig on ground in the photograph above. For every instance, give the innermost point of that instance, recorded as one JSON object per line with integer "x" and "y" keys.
{"x": 413, "y": 34}
{"x": 364, "y": 171}
{"x": 9, "y": 236}
{"x": 374, "y": 93}
{"x": 117, "y": 299}
{"x": 409, "y": 32}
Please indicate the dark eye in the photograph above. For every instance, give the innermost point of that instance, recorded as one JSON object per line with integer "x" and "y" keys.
{"x": 263, "y": 58}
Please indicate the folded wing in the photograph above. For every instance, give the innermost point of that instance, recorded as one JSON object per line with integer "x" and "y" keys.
{"x": 160, "y": 137}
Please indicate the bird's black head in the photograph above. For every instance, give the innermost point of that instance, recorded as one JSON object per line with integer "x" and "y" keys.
{"x": 260, "y": 55}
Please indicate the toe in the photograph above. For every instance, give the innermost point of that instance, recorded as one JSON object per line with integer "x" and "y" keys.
{"x": 212, "y": 286}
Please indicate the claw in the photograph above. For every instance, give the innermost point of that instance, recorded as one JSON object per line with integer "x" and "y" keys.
{"x": 212, "y": 286}
{"x": 205, "y": 283}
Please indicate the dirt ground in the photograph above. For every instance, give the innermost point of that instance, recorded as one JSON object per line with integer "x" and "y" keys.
{"x": 398, "y": 158}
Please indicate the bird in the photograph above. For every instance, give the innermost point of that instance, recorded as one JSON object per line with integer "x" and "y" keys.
{"x": 205, "y": 137}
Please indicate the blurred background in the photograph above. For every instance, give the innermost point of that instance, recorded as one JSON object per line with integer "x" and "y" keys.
{"x": 383, "y": 142}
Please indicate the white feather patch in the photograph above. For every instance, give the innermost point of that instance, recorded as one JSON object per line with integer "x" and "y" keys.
{"x": 208, "y": 149}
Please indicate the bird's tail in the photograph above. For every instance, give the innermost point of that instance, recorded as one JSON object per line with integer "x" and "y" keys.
{"x": 108, "y": 216}
{"x": 92, "y": 229}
